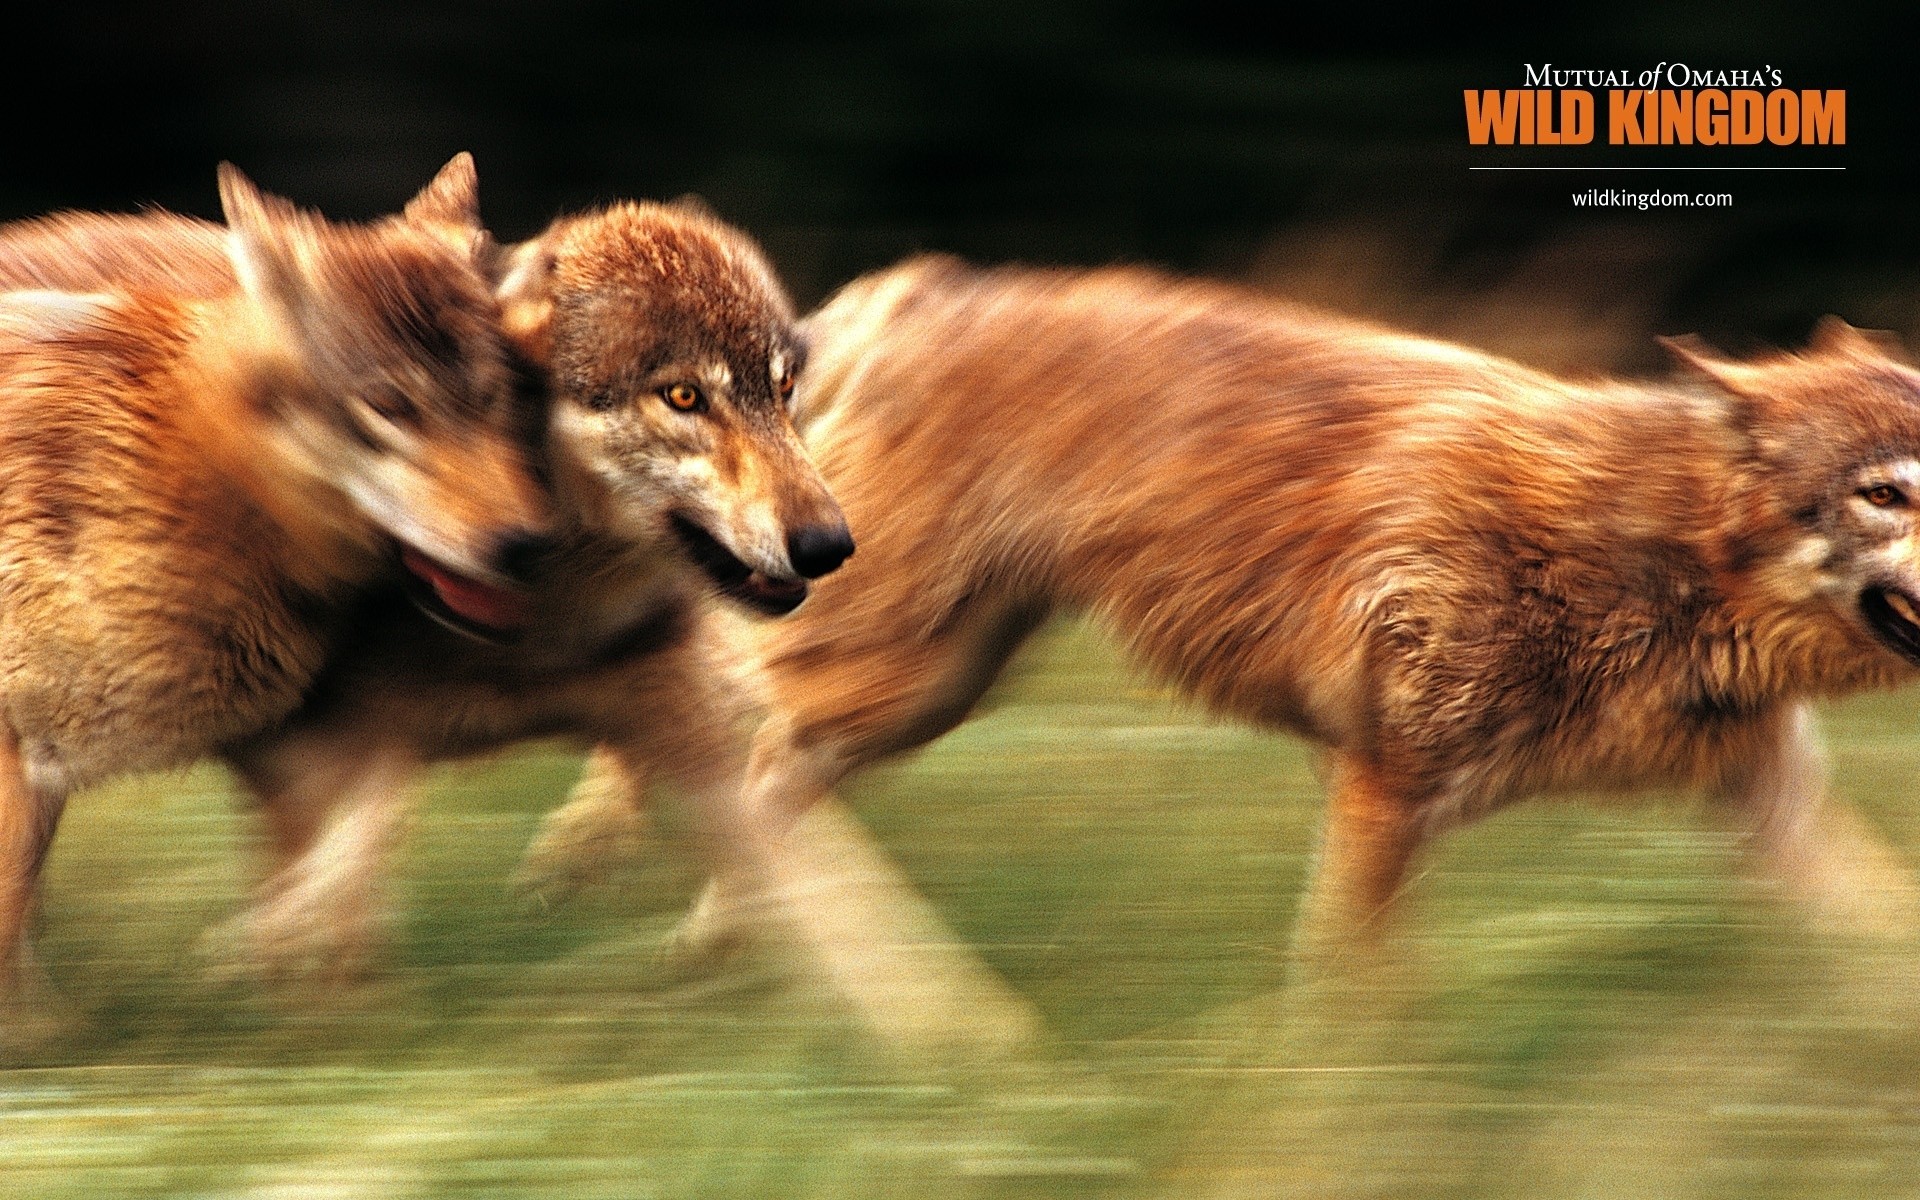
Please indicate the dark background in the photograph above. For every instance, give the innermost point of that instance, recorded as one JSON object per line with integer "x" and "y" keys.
{"x": 1331, "y": 164}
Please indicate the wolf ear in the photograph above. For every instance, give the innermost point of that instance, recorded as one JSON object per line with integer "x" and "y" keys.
{"x": 523, "y": 284}
{"x": 449, "y": 207}
{"x": 1755, "y": 409}
{"x": 259, "y": 241}
{"x": 1835, "y": 338}
{"x": 1742, "y": 379}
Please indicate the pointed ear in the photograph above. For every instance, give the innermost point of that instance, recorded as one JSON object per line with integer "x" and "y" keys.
{"x": 259, "y": 241}
{"x": 1742, "y": 379}
{"x": 1754, "y": 406}
{"x": 449, "y": 206}
{"x": 1833, "y": 337}
{"x": 452, "y": 196}
{"x": 523, "y": 284}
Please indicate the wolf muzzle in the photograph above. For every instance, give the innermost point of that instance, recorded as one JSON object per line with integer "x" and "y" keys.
{"x": 816, "y": 550}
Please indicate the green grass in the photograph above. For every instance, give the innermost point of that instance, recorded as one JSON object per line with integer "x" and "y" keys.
{"x": 1593, "y": 1003}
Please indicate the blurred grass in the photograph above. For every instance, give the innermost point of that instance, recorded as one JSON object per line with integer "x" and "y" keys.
{"x": 1594, "y": 1004}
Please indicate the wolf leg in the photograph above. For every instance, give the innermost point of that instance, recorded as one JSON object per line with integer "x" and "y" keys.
{"x": 28, "y": 818}
{"x": 844, "y": 697}
{"x": 798, "y": 869}
{"x": 790, "y": 866}
{"x": 1369, "y": 840}
{"x": 1820, "y": 852}
{"x": 778, "y": 785}
{"x": 333, "y": 816}
{"x": 603, "y": 823}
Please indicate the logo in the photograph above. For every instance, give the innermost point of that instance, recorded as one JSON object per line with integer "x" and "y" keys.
{"x": 1668, "y": 105}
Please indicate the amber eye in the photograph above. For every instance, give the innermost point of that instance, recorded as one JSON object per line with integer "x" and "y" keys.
{"x": 685, "y": 397}
{"x": 1884, "y": 495}
{"x": 785, "y": 387}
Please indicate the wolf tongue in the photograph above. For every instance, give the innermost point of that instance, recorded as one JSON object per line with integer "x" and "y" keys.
{"x": 483, "y": 604}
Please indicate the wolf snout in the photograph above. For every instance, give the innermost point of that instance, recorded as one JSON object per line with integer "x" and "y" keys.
{"x": 518, "y": 553}
{"x": 815, "y": 550}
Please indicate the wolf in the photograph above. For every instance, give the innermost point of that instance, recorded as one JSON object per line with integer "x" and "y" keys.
{"x": 198, "y": 481}
{"x": 662, "y": 348}
{"x": 1466, "y": 581}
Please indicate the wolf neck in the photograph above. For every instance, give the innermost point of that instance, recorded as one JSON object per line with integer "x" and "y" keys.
{"x": 238, "y": 373}
{"x": 1774, "y": 633}
{"x": 1682, "y": 486}
{"x": 601, "y": 596}
{"x": 1776, "y": 638}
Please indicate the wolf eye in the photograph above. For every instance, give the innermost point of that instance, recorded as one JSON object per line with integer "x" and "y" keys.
{"x": 685, "y": 397}
{"x": 1884, "y": 495}
{"x": 391, "y": 405}
{"x": 785, "y": 387}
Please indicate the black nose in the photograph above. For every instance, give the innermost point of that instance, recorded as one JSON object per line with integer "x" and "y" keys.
{"x": 815, "y": 550}
{"x": 518, "y": 554}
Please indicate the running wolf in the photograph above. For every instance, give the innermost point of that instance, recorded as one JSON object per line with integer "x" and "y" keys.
{"x": 663, "y": 349}
{"x": 1468, "y": 581}
{"x": 197, "y": 482}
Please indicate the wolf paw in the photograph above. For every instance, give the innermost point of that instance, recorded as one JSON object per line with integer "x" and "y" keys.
{"x": 31, "y": 1016}
{"x": 285, "y": 946}
{"x": 578, "y": 844}
{"x": 706, "y": 939}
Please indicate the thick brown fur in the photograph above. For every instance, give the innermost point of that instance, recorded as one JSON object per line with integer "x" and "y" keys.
{"x": 613, "y": 311}
{"x": 418, "y": 425}
{"x": 1469, "y": 581}
{"x": 197, "y": 479}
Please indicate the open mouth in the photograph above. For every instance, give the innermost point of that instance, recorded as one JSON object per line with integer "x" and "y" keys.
{"x": 735, "y": 579}
{"x": 1895, "y": 617}
{"x": 464, "y": 604}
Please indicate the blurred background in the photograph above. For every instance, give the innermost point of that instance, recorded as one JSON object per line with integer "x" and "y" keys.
{"x": 1596, "y": 1006}
{"x": 848, "y": 134}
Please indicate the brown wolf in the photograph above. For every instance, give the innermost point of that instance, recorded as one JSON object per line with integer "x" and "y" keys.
{"x": 1468, "y": 581}
{"x": 440, "y": 472}
{"x": 195, "y": 484}
{"x": 665, "y": 349}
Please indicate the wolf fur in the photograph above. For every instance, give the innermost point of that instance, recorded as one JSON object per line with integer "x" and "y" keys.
{"x": 196, "y": 484}
{"x": 1468, "y": 581}
{"x": 665, "y": 506}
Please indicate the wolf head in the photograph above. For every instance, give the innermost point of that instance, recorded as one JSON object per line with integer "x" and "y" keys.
{"x": 1836, "y": 429}
{"x": 673, "y": 363}
{"x": 392, "y": 385}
